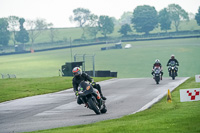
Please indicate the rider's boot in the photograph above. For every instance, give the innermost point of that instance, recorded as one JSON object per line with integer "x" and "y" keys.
{"x": 86, "y": 105}
{"x": 104, "y": 98}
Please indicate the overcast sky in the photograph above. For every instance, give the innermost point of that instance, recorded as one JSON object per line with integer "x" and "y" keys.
{"x": 59, "y": 11}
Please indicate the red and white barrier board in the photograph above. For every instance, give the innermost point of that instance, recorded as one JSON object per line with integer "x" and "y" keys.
{"x": 189, "y": 95}
{"x": 197, "y": 78}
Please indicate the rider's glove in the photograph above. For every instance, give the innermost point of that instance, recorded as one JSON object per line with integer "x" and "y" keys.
{"x": 93, "y": 83}
{"x": 76, "y": 93}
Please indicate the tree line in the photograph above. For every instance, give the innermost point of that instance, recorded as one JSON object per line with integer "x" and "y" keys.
{"x": 13, "y": 28}
{"x": 143, "y": 19}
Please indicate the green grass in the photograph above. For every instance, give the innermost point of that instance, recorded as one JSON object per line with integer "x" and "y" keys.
{"x": 134, "y": 62}
{"x": 18, "y": 88}
{"x": 75, "y": 33}
{"x": 163, "y": 117}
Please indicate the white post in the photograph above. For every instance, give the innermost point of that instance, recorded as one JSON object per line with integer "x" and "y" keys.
{"x": 93, "y": 66}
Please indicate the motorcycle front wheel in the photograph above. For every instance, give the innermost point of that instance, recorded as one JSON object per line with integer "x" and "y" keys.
{"x": 104, "y": 110}
{"x": 157, "y": 79}
{"x": 173, "y": 75}
{"x": 93, "y": 106}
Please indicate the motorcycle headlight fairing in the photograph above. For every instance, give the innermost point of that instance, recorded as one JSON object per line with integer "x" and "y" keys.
{"x": 88, "y": 87}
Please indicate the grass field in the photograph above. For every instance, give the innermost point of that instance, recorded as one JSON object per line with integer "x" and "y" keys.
{"x": 163, "y": 117}
{"x": 134, "y": 62}
{"x": 18, "y": 88}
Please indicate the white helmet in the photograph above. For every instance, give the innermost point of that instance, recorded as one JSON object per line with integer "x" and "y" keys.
{"x": 172, "y": 56}
{"x": 157, "y": 61}
{"x": 77, "y": 71}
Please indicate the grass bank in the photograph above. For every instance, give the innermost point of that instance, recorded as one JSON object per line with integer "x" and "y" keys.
{"x": 163, "y": 117}
{"x": 23, "y": 87}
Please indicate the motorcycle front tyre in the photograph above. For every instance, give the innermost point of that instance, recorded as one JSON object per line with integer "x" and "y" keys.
{"x": 104, "y": 110}
{"x": 173, "y": 75}
{"x": 93, "y": 106}
{"x": 157, "y": 79}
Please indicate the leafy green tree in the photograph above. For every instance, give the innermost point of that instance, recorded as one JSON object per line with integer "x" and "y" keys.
{"x": 197, "y": 17}
{"x": 115, "y": 21}
{"x": 177, "y": 14}
{"x": 81, "y": 16}
{"x": 145, "y": 18}
{"x": 125, "y": 29}
{"x": 164, "y": 20}
{"x": 36, "y": 27}
{"x": 52, "y": 32}
{"x": 106, "y": 25}
{"x": 126, "y": 18}
{"x": 22, "y": 36}
{"x": 13, "y": 22}
{"x": 92, "y": 27}
{"x": 4, "y": 32}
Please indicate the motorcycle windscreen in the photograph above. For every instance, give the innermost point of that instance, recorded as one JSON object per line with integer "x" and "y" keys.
{"x": 85, "y": 88}
{"x": 157, "y": 70}
{"x": 172, "y": 63}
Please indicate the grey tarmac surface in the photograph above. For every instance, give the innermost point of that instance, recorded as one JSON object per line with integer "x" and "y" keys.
{"x": 124, "y": 97}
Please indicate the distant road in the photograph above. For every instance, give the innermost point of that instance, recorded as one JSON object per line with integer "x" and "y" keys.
{"x": 124, "y": 96}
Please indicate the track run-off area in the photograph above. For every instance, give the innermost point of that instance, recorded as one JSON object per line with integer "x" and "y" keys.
{"x": 124, "y": 96}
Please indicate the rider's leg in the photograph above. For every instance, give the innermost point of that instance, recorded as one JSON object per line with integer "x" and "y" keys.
{"x": 161, "y": 74}
{"x": 176, "y": 71}
{"x": 98, "y": 87}
{"x": 79, "y": 101}
{"x": 169, "y": 72}
{"x": 152, "y": 73}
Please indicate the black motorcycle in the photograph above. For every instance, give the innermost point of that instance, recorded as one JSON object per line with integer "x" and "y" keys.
{"x": 91, "y": 98}
{"x": 173, "y": 69}
{"x": 157, "y": 74}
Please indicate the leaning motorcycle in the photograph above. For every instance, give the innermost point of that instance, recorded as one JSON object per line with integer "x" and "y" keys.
{"x": 91, "y": 98}
{"x": 172, "y": 69}
{"x": 157, "y": 74}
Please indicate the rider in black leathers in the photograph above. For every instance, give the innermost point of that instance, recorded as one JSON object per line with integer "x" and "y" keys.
{"x": 78, "y": 77}
{"x": 176, "y": 61}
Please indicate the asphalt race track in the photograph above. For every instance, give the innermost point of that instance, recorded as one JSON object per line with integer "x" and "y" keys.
{"x": 124, "y": 96}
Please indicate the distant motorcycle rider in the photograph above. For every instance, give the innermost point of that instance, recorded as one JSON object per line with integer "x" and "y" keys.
{"x": 80, "y": 76}
{"x": 176, "y": 62}
{"x": 157, "y": 64}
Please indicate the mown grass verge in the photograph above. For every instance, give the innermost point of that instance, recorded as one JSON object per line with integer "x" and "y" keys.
{"x": 163, "y": 117}
{"x": 11, "y": 89}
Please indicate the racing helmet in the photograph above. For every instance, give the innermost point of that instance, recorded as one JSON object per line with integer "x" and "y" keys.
{"x": 157, "y": 61}
{"x": 77, "y": 71}
{"x": 172, "y": 56}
